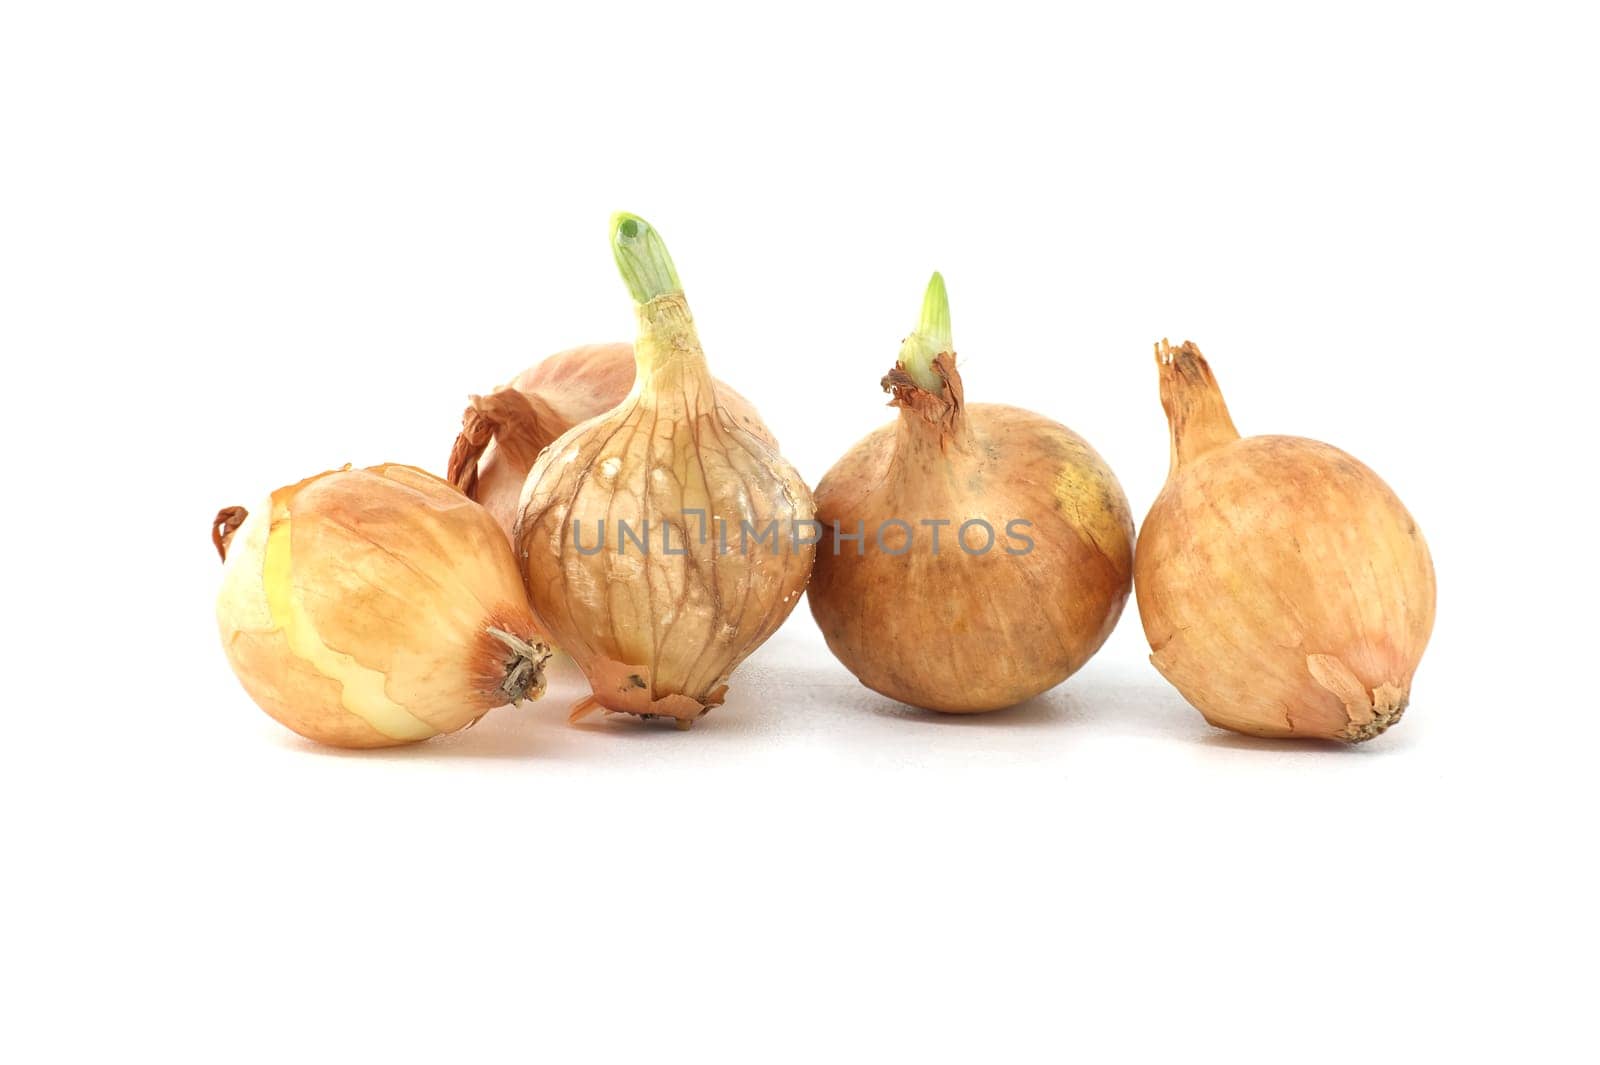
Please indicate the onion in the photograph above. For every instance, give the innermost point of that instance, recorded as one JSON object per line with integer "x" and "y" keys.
{"x": 1284, "y": 589}
{"x": 1035, "y": 559}
{"x": 503, "y": 432}
{"x": 369, "y": 608}
{"x": 658, "y": 624}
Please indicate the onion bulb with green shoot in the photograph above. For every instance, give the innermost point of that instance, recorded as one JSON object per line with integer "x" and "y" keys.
{"x": 376, "y": 607}
{"x": 662, "y": 542}
{"x": 503, "y": 432}
{"x": 973, "y": 555}
{"x": 1283, "y": 587}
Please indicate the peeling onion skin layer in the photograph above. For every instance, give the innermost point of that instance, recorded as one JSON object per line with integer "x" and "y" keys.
{"x": 959, "y": 632}
{"x": 503, "y": 432}
{"x": 658, "y": 633}
{"x": 1283, "y": 587}
{"x": 357, "y": 608}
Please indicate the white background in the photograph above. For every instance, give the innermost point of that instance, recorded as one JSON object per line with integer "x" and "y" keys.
{"x": 241, "y": 244}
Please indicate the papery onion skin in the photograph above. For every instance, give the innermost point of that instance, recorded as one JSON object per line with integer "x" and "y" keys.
{"x": 658, "y": 633}
{"x": 967, "y": 632}
{"x": 503, "y": 432}
{"x": 375, "y": 607}
{"x": 1283, "y": 587}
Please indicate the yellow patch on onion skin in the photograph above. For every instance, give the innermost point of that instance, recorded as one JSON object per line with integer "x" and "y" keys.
{"x": 361, "y": 689}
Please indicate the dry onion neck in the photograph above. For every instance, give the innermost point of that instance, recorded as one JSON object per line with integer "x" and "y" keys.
{"x": 513, "y": 422}
{"x": 1196, "y": 412}
{"x": 223, "y": 526}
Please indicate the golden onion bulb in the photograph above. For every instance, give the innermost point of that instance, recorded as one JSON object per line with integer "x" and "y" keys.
{"x": 974, "y": 555}
{"x": 1283, "y": 587}
{"x": 662, "y": 542}
{"x": 375, "y": 607}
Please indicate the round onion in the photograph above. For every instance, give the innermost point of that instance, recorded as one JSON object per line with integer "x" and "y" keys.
{"x": 1284, "y": 588}
{"x": 658, "y": 624}
{"x": 369, "y": 608}
{"x": 1022, "y": 582}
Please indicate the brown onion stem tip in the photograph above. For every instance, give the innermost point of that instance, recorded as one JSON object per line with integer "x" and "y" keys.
{"x": 223, "y": 526}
